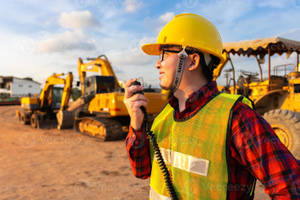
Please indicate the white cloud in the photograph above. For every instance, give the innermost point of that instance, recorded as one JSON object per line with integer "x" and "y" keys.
{"x": 132, "y": 57}
{"x": 130, "y": 64}
{"x": 70, "y": 40}
{"x": 67, "y": 41}
{"x": 146, "y": 40}
{"x": 293, "y": 34}
{"x": 157, "y": 24}
{"x": 16, "y": 49}
{"x": 132, "y": 54}
{"x": 132, "y": 5}
{"x": 78, "y": 20}
{"x": 165, "y": 18}
{"x": 130, "y": 61}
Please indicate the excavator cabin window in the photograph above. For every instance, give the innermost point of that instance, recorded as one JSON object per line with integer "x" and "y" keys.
{"x": 297, "y": 88}
{"x": 99, "y": 84}
{"x": 56, "y": 98}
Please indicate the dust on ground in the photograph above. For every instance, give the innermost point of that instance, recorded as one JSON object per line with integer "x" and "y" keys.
{"x": 65, "y": 165}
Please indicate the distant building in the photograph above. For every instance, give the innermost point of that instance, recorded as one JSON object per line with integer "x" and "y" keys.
{"x": 17, "y": 87}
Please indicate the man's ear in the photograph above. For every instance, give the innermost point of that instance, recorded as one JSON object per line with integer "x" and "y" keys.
{"x": 195, "y": 61}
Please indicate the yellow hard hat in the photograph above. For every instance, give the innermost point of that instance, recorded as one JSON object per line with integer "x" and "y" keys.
{"x": 188, "y": 30}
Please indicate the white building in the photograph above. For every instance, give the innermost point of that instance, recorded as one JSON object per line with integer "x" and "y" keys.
{"x": 18, "y": 86}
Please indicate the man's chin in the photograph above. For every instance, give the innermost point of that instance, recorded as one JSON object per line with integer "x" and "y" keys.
{"x": 164, "y": 87}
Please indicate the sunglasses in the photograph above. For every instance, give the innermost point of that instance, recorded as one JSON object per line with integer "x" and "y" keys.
{"x": 161, "y": 56}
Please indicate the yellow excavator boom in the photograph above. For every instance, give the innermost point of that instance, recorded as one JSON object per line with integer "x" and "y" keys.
{"x": 51, "y": 80}
{"x": 100, "y": 65}
{"x": 67, "y": 91}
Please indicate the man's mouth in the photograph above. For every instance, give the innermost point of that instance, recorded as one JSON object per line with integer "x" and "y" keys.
{"x": 160, "y": 74}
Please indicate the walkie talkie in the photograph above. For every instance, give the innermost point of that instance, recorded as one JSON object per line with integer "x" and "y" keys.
{"x": 160, "y": 160}
{"x": 142, "y": 107}
{"x": 137, "y": 83}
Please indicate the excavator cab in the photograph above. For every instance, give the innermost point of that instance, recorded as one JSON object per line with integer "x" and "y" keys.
{"x": 99, "y": 84}
{"x": 57, "y": 93}
{"x": 53, "y": 101}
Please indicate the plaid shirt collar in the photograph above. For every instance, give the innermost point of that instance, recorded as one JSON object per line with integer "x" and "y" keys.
{"x": 195, "y": 101}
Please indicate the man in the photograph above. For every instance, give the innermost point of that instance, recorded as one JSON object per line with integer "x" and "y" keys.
{"x": 214, "y": 145}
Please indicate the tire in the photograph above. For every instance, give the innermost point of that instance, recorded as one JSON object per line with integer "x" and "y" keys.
{"x": 19, "y": 117}
{"x": 35, "y": 121}
{"x": 24, "y": 119}
{"x": 286, "y": 125}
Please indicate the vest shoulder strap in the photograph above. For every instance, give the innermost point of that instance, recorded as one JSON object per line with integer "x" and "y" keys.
{"x": 249, "y": 102}
{"x": 239, "y": 98}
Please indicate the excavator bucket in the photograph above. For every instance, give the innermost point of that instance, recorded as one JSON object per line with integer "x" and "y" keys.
{"x": 65, "y": 119}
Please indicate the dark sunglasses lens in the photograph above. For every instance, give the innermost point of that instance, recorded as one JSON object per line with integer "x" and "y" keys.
{"x": 161, "y": 56}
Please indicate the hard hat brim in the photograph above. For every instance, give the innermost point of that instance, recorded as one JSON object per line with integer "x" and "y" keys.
{"x": 151, "y": 49}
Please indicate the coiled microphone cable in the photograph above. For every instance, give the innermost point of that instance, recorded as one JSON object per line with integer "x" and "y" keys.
{"x": 157, "y": 153}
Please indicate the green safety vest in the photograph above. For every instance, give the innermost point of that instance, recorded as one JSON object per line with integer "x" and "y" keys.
{"x": 194, "y": 151}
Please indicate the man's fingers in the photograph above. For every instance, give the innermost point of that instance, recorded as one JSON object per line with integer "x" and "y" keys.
{"x": 130, "y": 82}
{"x": 129, "y": 90}
{"x": 134, "y": 103}
{"x": 138, "y": 97}
{"x": 137, "y": 105}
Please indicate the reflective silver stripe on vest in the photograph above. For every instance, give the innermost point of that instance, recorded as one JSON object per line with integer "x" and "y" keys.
{"x": 155, "y": 196}
{"x": 185, "y": 162}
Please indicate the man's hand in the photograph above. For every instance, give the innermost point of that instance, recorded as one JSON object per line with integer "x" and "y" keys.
{"x": 134, "y": 103}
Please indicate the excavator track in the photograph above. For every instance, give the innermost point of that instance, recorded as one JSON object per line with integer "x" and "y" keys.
{"x": 102, "y": 128}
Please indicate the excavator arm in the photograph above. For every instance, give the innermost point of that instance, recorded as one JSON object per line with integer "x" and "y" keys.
{"x": 100, "y": 65}
{"x": 52, "y": 80}
{"x": 67, "y": 91}
{"x": 46, "y": 91}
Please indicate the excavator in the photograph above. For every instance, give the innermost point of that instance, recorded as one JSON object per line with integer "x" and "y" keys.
{"x": 35, "y": 110}
{"x": 100, "y": 111}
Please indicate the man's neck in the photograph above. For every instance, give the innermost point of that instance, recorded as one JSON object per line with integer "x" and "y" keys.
{"x": 183, "y": 93}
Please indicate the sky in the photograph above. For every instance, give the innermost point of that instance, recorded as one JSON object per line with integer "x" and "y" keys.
{"x": 39, "y": 37}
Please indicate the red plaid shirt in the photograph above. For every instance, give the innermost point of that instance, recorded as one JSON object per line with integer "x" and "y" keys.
{"x": 255, "y": 151}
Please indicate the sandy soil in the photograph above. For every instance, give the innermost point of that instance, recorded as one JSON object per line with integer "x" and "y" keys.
{"x": 63, "y": 165}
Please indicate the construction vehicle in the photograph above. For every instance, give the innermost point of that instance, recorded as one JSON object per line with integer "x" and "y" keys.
{"x": 35, "y": 110}
{"x": 100, "y": 111}
{"x": 277, "y": 98}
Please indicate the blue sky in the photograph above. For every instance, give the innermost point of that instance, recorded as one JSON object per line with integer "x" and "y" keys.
{"x": 39, "y": 37}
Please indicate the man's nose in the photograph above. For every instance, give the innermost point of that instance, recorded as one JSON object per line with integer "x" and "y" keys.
{"x": 157, "y": 64}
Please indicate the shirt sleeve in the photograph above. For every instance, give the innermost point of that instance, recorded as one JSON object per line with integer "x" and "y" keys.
{"x": 137, "y": 146}
{"x": 261, "y": 152}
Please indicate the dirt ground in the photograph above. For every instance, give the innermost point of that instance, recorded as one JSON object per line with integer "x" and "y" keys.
{"x": 63, "y": 165}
